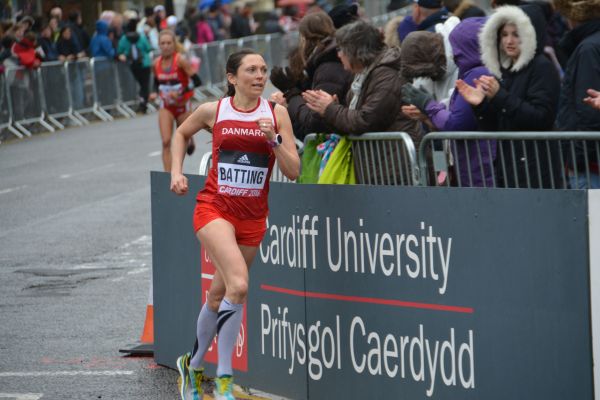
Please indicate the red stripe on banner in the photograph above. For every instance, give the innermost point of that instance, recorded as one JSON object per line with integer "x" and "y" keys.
{"x": 372, "y": 300}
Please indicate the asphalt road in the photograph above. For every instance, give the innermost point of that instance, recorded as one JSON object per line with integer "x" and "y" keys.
{"x": 75, "y": 262}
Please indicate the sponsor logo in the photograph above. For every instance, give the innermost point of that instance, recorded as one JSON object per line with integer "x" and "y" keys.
{"x": 243, "y": 159}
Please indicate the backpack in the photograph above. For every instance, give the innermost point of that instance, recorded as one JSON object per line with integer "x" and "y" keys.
{"x": 135, "y": 56}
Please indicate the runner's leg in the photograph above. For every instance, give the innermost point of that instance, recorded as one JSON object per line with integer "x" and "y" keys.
{"x": 165, "y": 124}
{"x": 206, "y": 328}
{"x": 218, "y": 237}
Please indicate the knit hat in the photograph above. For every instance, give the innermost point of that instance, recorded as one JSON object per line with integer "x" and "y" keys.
{"x": 343, "y": 14}
{"x": 429, "y": 3}
{"x": 579, "y": 10}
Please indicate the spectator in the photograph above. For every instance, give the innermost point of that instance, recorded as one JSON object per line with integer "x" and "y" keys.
{"x": 463, "y": 9}
{"x": 160, "y": 16}
{"x": 289, "y": 19}
{"x": 323, "y": 71}
{"x": 6, "y": 55}
{"x": 582, "y": 47}
{"x": 79, "y": 35}
{"x": 24, "y": 51}
{"x": 46, "y": 43}
{"x": 101, "y": 45}
{"x": 521, "y": 96}
{"x": 425, "y": 15}
{"x": 57, "y": 12}
{"x": 241, "y": 23}
{"x": 115, "y": 29}
{"x": 390, "y": 31}
{"x": 343, "y": 15}
{"x": 216, "y": 22}
{"x": 374, "y": 101}
{"x": 135, "y": 50}
{"x": 204, "y": 33}
{"x": 67, "y": 51}
{"x": 593, "y": 98}
{"x": 458, "y": 114}
{"x": 54, "y": 27}
{"x": 271, "y": 24}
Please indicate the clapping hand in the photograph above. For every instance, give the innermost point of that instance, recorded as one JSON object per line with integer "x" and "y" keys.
{"x": 472, "y": 95}
{"x": 318, "y": 100}
{"x": 593, "y": 98}
{"x": 415, "y": 96}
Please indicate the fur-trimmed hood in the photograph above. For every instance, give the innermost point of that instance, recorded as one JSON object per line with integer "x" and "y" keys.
{"x": 580, "y": 10}
{"x": 492, "y": 56}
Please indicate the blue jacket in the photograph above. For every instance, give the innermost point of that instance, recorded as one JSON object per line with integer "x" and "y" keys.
{"x": 101, "y": 45}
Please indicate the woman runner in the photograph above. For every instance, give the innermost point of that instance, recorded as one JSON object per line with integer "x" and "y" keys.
{"x": 229, "y": 219}
{"x": 174, "y": 80}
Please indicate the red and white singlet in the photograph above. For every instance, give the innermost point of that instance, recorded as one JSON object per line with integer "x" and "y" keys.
{"x": 173, "y": 80}
{"x": 242, "y": 161}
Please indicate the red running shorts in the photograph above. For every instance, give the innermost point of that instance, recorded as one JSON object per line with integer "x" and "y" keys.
{"x": 178, "y": 110}
{"x": 248, "y": 232}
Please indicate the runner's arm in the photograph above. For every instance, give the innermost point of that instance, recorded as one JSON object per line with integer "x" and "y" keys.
{"x": 184, "y": 64}
{"x": 202, "y": 118}
{"x": 287, "y": 154}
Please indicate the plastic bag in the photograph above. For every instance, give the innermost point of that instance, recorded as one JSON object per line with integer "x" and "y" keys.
{"x": 340, "y": 167}
{"x": 311, "y": 161}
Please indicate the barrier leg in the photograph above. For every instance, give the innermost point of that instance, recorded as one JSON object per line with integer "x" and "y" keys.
{"x": 81, "y": 118}
{"x": 55, "y": 122}
{"x": 46, "y": 125}
{"x": 121, "y": 109}
{"x": 15, "y": 131}
{"x": 22, "y": 129}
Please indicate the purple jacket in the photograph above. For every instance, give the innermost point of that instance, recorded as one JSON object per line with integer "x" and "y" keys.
{"x": 459, "y": 115}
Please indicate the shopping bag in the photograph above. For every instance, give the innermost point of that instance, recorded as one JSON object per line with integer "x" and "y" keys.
{"x": 340, "y": 167}
{"x": 311, "y": 161}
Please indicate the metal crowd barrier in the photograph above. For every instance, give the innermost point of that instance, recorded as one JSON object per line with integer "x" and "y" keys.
{"x": 26, "y": 99}
{"x": 550, "y": 160}
{"x": 385, "y": 158}
{"x": 54, "y": 81}
{"x": 6, "y": 113}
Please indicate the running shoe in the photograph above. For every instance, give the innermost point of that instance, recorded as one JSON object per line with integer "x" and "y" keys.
{"x": 183, "y": 382}
{"x": 196, "y": 377}
{"x": 224, "y": 388}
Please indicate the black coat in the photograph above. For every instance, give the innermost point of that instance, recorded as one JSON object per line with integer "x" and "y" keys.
{"x": 324, "y": 71}
{"x": 526, "y": 101}
{"x": 582, "y": 46}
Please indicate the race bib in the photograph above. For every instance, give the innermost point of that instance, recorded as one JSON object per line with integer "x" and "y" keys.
{"x": 242, "y": 173}
{"x": 170, "y": 94}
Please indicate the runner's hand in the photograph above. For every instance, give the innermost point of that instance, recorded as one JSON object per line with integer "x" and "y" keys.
{"x": 179, "y": 184}
{"x": 266, "y": 126}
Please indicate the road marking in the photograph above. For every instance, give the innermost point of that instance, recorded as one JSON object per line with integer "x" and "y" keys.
{"x": 14, "y": 189}
{"x": 137, "y": 271}
{"x": 22, "y": 396}
{"x": 145, "y": 239}
{"x": 155, "y": 153}
{"x": 64, "y": 373}
{"x": 87, "y": 171}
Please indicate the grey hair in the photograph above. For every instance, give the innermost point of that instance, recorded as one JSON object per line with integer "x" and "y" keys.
{"x": 361, "y": 42}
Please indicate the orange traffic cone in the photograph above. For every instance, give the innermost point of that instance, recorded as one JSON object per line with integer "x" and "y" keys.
{"x": 148, "y": 332}
{"x": 146, "y": 348}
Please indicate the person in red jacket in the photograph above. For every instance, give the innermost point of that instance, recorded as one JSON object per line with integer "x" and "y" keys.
{"x": 24, "y": 51}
